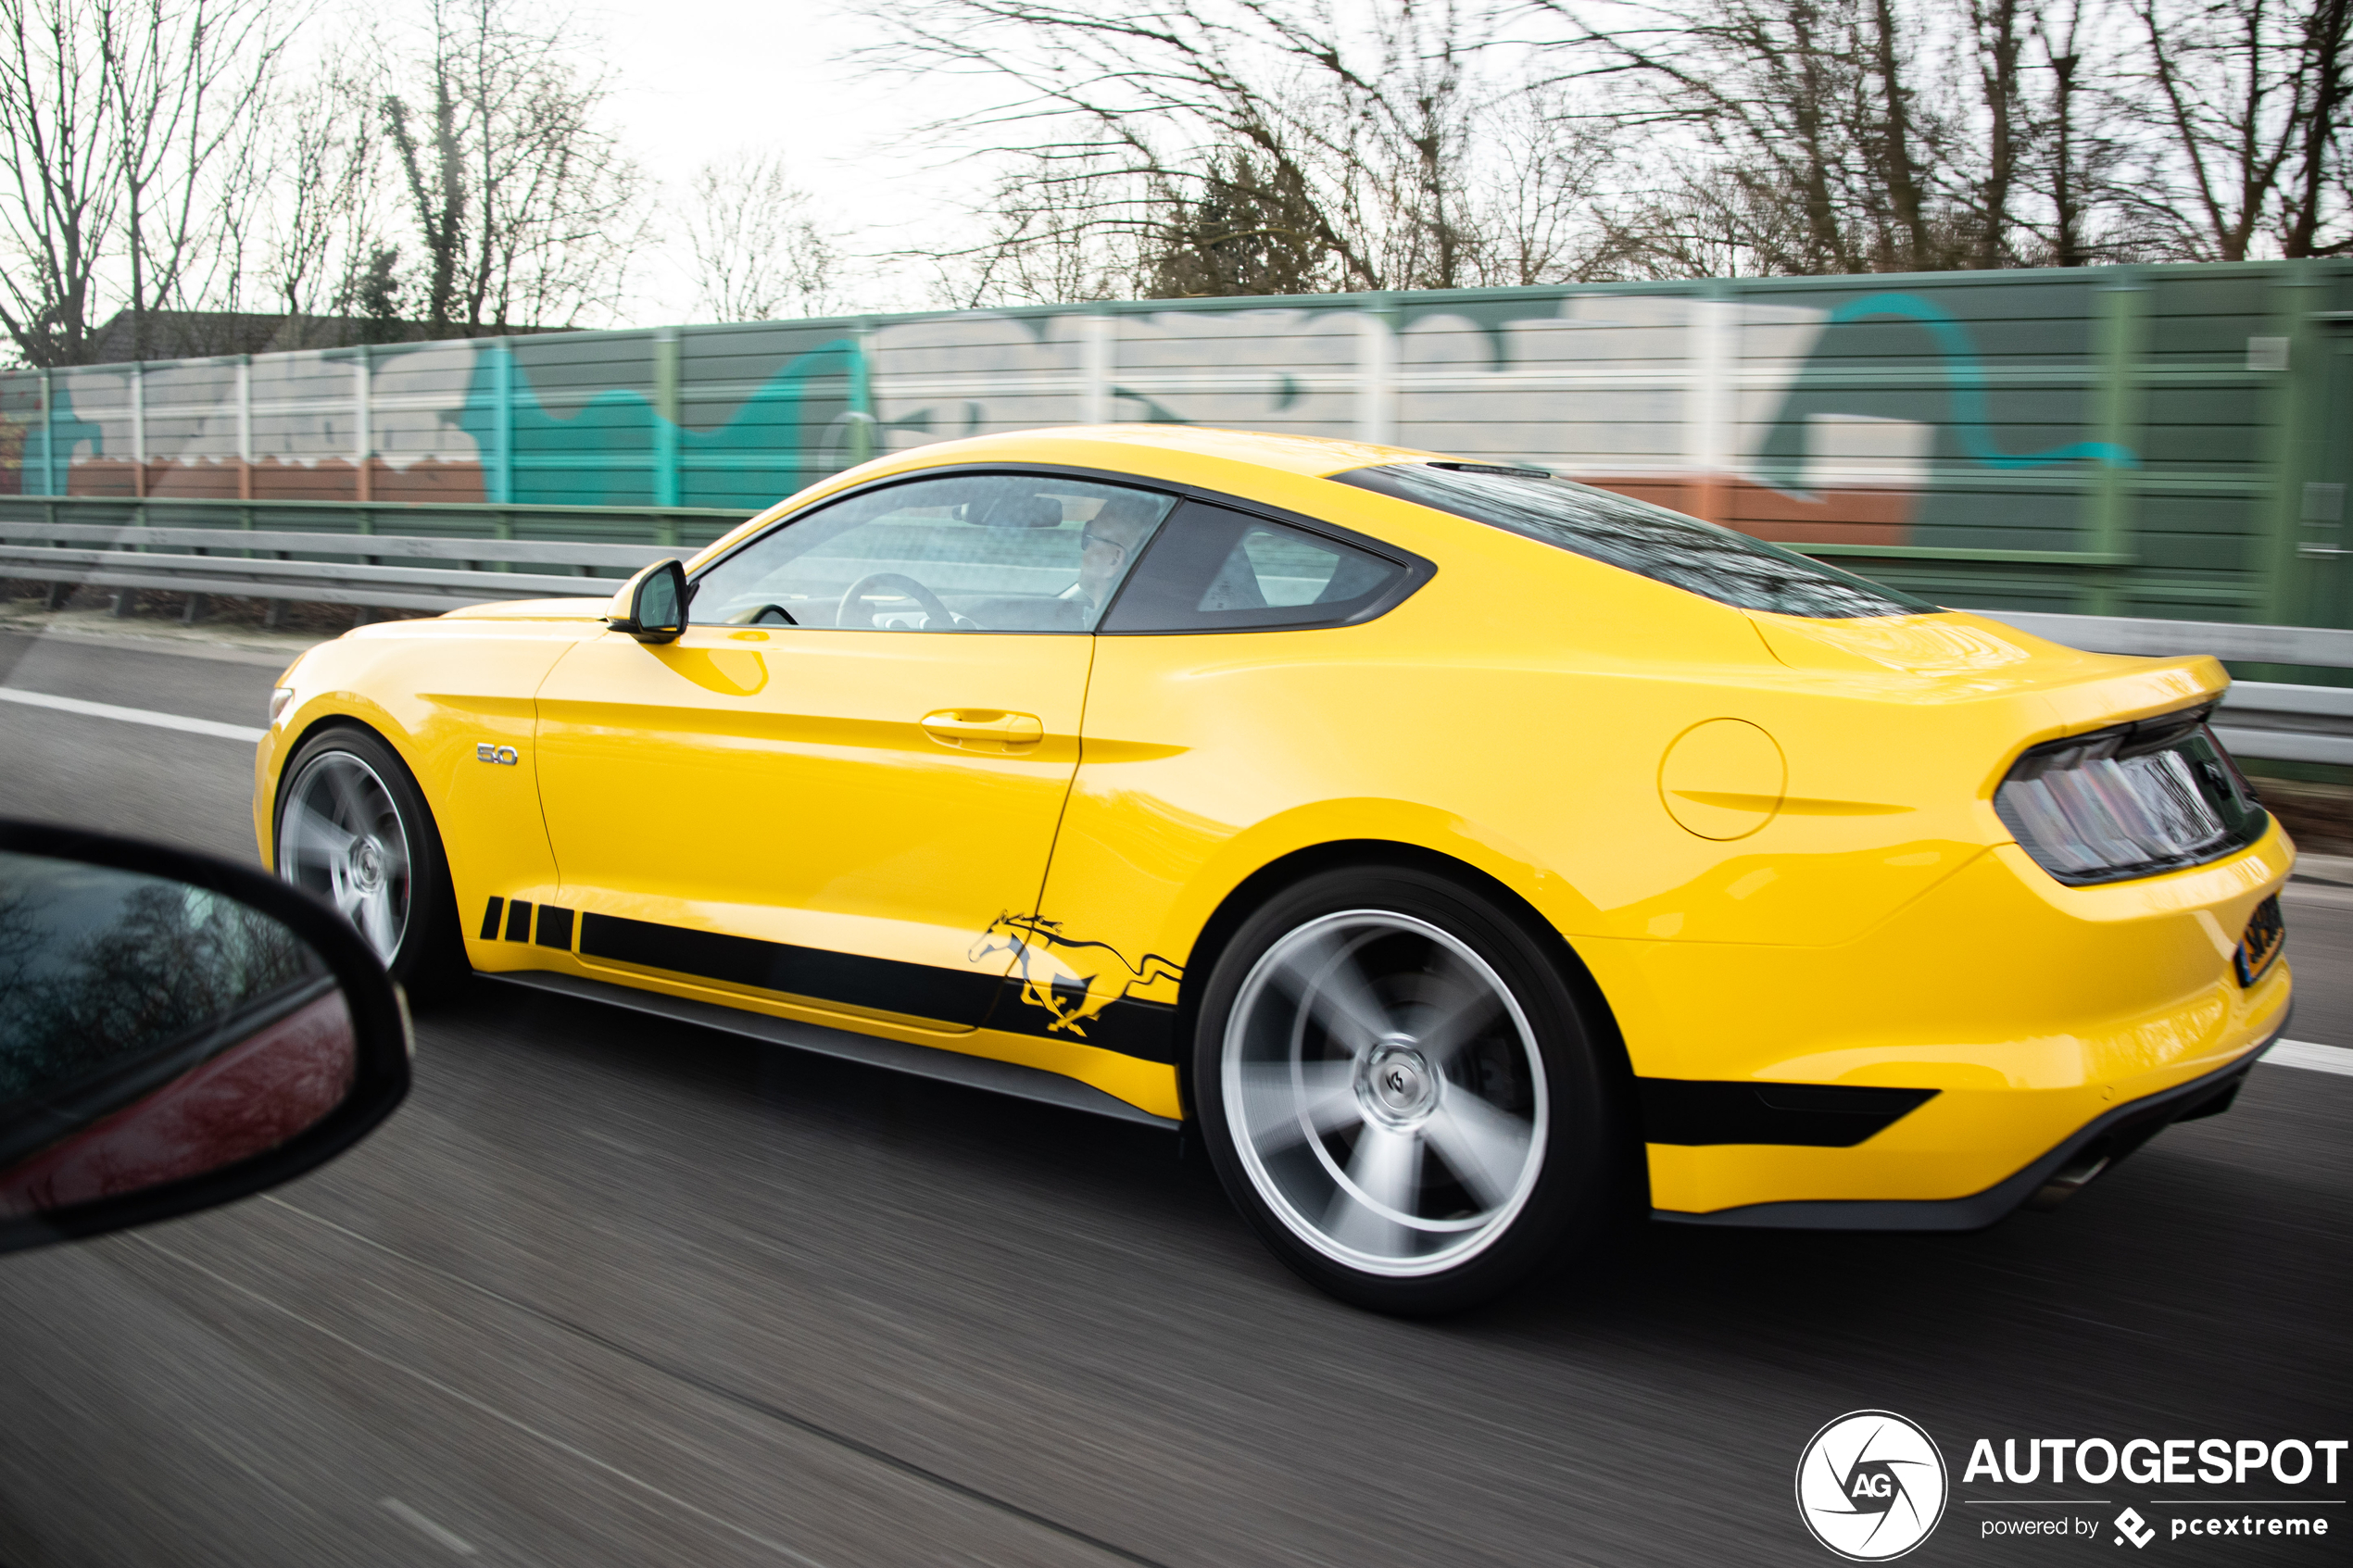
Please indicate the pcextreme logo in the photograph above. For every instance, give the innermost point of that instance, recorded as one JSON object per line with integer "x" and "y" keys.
{"x": 1872, "y": 1485}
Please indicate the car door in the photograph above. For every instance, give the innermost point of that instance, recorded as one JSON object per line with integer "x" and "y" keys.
{"x": 851, "y": 763}
{"x": 1223, "y": 696}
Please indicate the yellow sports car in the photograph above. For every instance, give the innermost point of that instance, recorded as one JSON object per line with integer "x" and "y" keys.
{"x": 1467, "y": 852}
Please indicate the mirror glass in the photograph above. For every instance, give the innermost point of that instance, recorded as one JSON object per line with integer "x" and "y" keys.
{"x": 150, "y": 1031}
{"x": 657, "y": 607}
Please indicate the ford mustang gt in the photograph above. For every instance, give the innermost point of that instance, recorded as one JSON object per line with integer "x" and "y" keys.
{"x": 1469, "y": 854}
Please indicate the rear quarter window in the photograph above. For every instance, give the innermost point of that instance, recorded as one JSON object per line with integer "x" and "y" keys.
{"x": 1215, "y": 569}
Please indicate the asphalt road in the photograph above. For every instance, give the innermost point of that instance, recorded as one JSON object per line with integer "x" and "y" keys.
{"x": 609, "y": 1290}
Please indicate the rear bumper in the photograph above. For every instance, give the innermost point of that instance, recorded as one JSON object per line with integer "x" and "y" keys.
{"x": 2030, "y": 1009}
{"x": 2090, "y": 1151}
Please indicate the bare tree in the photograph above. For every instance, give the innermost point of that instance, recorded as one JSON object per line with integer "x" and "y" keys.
{"x": 1358, "y": 123}
{"x": 2224, "y": 99}
{"x": 327, "y": 223}
{"x": 2059, "y": 30}
{"x": 1057, "y": 226}
{"x": 189, "y": 80}
{"x": 1813, "y": 149}
{"x": 2035, "y": 158}
{"x": 61, "y": 200}
{"x": 522, "y": 204}
{"x": 758, "y": 252}
{"x": 2319, "y": 179}
{"x": 1860, "y": 135}
{"x": 156, "y": 166}
{"x": 2245, "y": 101}
{"x": 130, "y": 129}
{"x": 1546, "y": 207}
{"x": 1998, "y": 30}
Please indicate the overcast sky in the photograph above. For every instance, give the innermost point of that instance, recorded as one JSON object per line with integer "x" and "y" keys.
{"x": 698, "y": 78}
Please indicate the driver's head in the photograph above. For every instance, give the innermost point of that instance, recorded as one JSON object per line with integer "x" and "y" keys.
{"x": 1110, "y": 541}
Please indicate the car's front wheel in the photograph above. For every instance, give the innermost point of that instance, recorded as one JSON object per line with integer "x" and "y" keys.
{"x": 1399, "y": 1091}
{"x": 354, "y": 830}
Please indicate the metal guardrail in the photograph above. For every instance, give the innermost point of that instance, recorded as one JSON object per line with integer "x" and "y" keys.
{"x": 2327, "y": 647}
{"x": 387, "y": 571}
{"x": 2270, "y": 720}
{"x": 683, "y": 529}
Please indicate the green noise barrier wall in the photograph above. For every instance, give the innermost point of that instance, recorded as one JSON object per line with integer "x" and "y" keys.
{"x": 2163, "y": 441}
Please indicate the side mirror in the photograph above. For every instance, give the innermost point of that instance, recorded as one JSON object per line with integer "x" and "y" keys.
{"x": 652, "y": 606}
{"x": 176, "y": 1032}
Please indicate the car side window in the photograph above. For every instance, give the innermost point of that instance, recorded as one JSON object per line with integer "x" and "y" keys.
{"x": 973, "y": 552}
{"x": 1213, "y": 569}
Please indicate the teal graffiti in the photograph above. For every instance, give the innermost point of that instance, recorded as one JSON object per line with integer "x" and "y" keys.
{"x": 1965, "y": 384}
{"x": 1155, "y": 411}
{"x": 48, "y": 447}
{"x": 790, "y": 430}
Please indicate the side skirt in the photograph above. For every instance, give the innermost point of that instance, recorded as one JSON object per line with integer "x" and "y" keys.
{"x": 924, "y": 1061}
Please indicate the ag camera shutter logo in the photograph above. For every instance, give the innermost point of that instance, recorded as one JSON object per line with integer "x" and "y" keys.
{"x": 1872, "y": 1485}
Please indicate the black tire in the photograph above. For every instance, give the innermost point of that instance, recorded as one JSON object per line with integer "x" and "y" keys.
{"x": 360, "y": 786}
{"x": 1309, "y": 1098}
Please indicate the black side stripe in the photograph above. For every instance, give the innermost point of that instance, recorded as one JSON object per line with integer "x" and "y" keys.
{"x": 554, "y": 927}
{"x": 887, "y": 984}
{"x": 1692, "y": 1112}
{"x": 490, "y": 919}
{"x": 519, "y": 921}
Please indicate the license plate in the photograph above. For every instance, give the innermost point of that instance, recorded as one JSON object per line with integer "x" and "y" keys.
{"x": 2265, "y": 934}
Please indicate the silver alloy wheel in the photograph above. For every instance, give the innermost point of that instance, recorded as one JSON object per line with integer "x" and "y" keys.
{"x": 341, "y": 839}
{"x": 1385, "y": 1092}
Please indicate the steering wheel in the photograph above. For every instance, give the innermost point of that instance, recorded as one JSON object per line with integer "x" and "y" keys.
{"x": 766, "y": 615}
{"x": 942, "y": 618}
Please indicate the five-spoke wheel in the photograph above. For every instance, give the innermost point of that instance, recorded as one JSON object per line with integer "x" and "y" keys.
{"x": 340, "y": 838}
{"x": 1399, "y": 1089}
{"x": 1387, "y": 1092}
{"x": 352, "y": 828}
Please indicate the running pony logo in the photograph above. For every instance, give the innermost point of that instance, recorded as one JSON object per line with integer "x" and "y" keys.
{"x": 1073, "y": 980}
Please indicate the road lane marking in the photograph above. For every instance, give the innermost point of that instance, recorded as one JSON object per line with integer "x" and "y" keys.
{"x": 246, "y": 733}
{"x": 426, "y": 1527}
{"x": 2305, "y": 1054}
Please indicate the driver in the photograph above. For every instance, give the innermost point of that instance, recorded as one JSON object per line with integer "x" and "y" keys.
{"x": 1109, "y": 539}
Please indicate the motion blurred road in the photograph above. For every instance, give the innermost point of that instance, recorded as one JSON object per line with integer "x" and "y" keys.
{"x": 611, "y": 1290}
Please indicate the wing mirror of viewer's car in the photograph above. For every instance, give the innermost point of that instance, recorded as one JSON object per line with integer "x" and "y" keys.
{"x": 652, "y": 606}
{"x": 176, "y": 1032}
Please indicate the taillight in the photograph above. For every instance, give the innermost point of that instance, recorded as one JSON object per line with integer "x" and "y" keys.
{"x": 2130, "y": 801}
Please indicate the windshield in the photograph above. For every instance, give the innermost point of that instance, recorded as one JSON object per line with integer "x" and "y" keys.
{"x": 1665, "y": 547}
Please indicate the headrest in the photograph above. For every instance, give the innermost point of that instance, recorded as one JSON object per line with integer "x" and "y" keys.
{"x": 1025, "y": 511}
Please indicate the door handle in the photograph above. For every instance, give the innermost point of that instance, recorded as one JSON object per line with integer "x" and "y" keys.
{"x": 956, "y": 724}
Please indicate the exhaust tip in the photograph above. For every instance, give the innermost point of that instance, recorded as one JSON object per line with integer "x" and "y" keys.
{"x": 2068, "y": 1181}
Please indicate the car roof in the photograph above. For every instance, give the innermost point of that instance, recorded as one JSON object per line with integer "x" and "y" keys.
{"x": 1313, "y": 456}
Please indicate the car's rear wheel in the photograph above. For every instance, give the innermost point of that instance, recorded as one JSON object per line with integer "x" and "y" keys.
{"x": 353, "y": 830}
{"x": 1400, "y": 1092}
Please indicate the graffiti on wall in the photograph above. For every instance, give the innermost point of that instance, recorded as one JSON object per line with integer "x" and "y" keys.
{"x": 1843, "y": 414}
